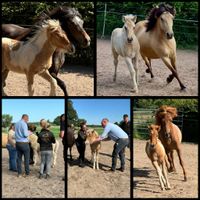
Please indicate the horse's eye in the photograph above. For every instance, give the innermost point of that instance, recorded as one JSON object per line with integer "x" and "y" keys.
{"x": 162, "y": 19}
{"x": 125, "y": 28}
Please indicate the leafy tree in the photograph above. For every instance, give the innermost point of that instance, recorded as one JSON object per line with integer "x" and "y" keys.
{"x": 56, "y": 121}
{"x": 72, "y": 116}
{"x": 6, "y": 120}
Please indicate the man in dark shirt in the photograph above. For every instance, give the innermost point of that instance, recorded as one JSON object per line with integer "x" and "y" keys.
{"x": 125, "y": 126}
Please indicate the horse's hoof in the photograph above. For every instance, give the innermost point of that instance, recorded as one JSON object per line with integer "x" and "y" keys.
{"x": 168, "y": 188}
{"x": 183, "y": 88}
{"x": 170, "y": 78}
{"x": 185, "y": 179}
{"x": 147, "y": 71}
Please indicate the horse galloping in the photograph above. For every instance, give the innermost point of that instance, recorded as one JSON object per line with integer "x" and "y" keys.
{"x": 35, "y": 55}
{"x": 156, "y": 38}
{"x": 125, "y": 44}
{"x": 170, "y": 135}
{"x": 70, "y": 21}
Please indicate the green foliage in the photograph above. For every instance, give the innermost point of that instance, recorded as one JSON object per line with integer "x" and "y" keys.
{"x": 6, "y": 120}
{"x": 186, "y": 31}
{"x": 56, "y": 121}
{"x": 72, "y": 116}
{"x": 26, "y": 13}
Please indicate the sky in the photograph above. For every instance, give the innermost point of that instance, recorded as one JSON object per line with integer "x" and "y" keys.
{"x": 37, "y": 109}
{"x": 94, "y": 110}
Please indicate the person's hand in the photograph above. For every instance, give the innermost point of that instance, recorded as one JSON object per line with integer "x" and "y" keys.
{"x": 29, "y": 132}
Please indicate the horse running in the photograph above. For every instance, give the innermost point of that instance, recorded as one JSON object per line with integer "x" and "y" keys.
{"x": 125, "y": 44}
{"x": 71, "y": 22}
{"x": 170, "y": 135}
{"x": 156, "y": 153}
{"x": 156, "y": 38}
{"x": 35, "y": 55}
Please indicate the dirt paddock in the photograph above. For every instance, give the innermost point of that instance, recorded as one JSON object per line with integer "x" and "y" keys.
{"x": 32, "y": 186}
{"x": 78, "y": 79}
{"x": 88, "y": 183}
{"x": 187, "y": 65}
{"x": 146, "y": 182}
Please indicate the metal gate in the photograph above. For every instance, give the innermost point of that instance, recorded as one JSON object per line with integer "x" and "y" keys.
{"x": 144, "y": 117}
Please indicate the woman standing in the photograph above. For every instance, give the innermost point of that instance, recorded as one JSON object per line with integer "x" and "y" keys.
{"x": 45, "y": 139}
{"x": 11, "y": 146}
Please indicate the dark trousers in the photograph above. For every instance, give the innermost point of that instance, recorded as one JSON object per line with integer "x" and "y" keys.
{"x": 23, "y": 149}
{"x": 31, "y": 154}
{"x": 81, "y": 149}
{"x": 119, "y": 149}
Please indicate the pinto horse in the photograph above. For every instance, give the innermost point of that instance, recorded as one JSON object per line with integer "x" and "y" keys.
{"x": 157, "y": 40}
{"x": 40, "y": 49}
{"x": 70, "y": 21}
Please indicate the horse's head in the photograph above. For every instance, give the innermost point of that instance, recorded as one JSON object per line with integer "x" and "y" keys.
{"x": 91, "y": 135}
{"x": 129, "y": 27}
{"x": 153, "y": 134}
{"x": 32, "y": 127}
{"x": 165, "y": 22}
{"x": 72, "y": 23}
{"x": 58, "y": 37}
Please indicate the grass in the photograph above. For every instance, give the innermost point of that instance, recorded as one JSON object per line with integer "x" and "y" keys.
{"x": 54, "y": 129}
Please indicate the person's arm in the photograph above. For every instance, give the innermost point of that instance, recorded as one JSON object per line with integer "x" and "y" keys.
{"x": 62, "y": 130}
{"x": 11, "y": 139}
{"x": 25, "y": 129}
{"x": 104, "y": 135}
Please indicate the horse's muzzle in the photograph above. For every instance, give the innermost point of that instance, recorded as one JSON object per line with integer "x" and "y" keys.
{"x": 129, "y": 40}
{"x": 170, "y": 36}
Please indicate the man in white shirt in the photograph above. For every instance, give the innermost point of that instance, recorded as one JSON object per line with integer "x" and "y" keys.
{"x": 120, "y": 137}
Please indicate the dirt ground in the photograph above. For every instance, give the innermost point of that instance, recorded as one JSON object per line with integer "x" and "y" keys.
{"x": 187, "y": 65}
{"x": 32, "y": 186}
{"x": 78, "y": 79}
{"x": 146, "y": 182}
{"x": 88, "y": 183}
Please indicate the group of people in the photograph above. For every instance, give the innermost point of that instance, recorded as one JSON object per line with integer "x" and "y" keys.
{"x": 18, "y": 146}
{"x": 119, "y": 134}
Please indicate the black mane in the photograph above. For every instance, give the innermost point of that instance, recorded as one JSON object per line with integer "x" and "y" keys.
{"x": 156, "y": 12}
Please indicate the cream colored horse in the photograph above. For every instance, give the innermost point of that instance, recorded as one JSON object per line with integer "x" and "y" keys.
{"x": 35, "y": 55}
{"x": 156, "y": 38}
{"x": 125, "y": 44}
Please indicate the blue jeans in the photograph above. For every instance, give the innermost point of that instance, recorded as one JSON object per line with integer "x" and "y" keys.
{"x": 23, "y": 149}
{"x": 12, "y": 157}
{"x": 45, "y": 162}
{"x": 119, "y": 148}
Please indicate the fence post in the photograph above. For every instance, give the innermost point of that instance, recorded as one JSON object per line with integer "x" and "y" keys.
{"x": 104, "y": 21}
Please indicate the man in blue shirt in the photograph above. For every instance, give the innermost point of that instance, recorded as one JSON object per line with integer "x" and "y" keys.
{"x": 22, "y": 144}
{"x": 120, "y": 137}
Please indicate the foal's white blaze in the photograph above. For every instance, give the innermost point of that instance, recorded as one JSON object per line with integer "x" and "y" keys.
{"x": 78, "y": 20}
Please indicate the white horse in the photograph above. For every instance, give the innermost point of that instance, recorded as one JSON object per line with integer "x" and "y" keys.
{"x": 125, "y": 44}
{"x": 35, "y": 55}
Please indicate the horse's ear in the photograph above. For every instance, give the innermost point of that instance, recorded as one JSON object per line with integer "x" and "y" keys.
{"x": 158, "y": 128}
{"x": 123, "y": 18}
{"x": 134, "y": 19}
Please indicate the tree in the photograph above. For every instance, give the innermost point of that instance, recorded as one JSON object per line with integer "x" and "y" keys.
{"x": 72, "y": 115}
{"x": 56, "y": 121}
{"x": 6, "y": 120}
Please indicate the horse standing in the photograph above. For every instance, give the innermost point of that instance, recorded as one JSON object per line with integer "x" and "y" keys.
{"x": 70, "y": 140}
{"x": 125, "y": 44}
{"x": 71, "y": 22}
{"x": 156, "y": 153}
{"x": 156, "y": 38}
{"x": 35, "y": 55}
{"x": 170, "y": 135}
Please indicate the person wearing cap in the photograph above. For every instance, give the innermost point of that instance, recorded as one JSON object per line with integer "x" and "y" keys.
{"x": 45, "y": 139}
{"x": 115, "y": 133}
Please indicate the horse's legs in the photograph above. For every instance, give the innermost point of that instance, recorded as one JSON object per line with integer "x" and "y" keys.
{"x": 159, "y": 172}
{"x": 164, "y": 172}
{"x": 172, "y": 156}
{"x": 52, "y": 81}
{"x": 70, "y": 152}
{"x": 97, "y": 159}
{"x": 166, "y": 60}
{"x": 132, "y": 72}
{"x": 4, "y": 76}
{"x": 30, "y": 78}
{"x": 170, "y": 169}
{"x": 148, "y": 64}
{"x": 173, "y": 63}
{"x": 135, "y": 65}
{"x": 182, "y": 164}
{"x": 115, "y": 56}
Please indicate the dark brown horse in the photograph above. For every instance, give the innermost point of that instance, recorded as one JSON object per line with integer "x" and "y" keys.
{"x": 71, "y": 22}
{"x": 170, "y": 135}
{"x": 70, "y": 140}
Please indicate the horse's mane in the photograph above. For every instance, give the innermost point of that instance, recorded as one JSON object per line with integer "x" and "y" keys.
{"x": 45, "y": 24}
{"x": 156, "y": 12}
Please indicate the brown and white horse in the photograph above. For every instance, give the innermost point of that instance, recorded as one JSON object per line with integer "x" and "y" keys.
{"x": 35, "y": 55}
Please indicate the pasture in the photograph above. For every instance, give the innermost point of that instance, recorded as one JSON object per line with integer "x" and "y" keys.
{"x": 88, "y": 183}
{"x": 145, "y": 179}
{"x": 187, "y": 66}
{"x": 32, "y": 186}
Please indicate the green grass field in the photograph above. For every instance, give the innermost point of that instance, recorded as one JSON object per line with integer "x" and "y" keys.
{"x": 54, "y": 129}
